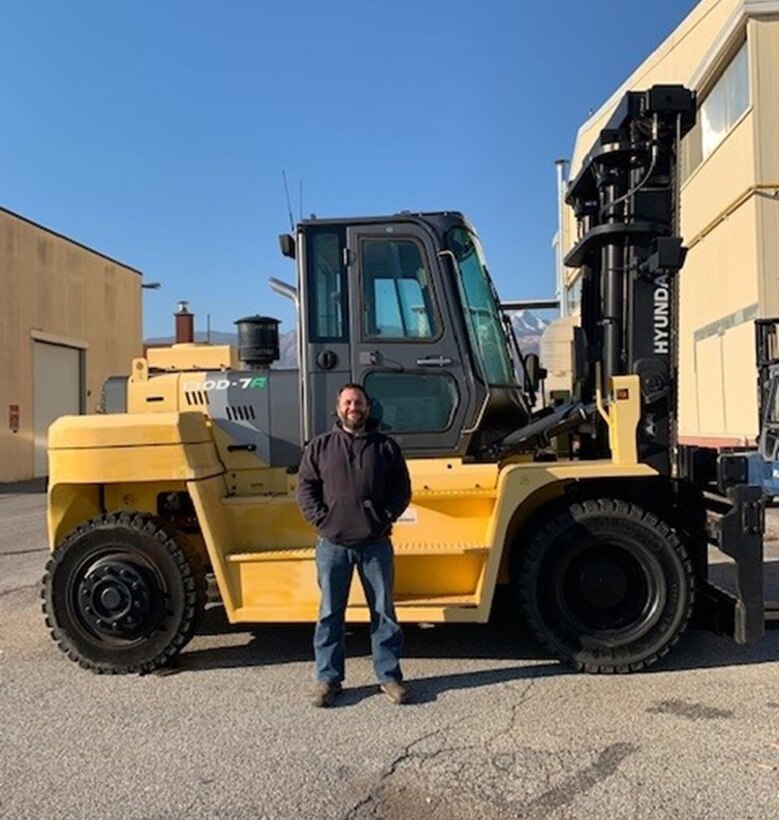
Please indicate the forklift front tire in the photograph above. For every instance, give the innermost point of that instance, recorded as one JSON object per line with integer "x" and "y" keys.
{"x": 605, "y": 586}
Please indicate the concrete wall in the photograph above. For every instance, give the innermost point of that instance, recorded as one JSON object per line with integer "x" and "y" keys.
{"x": 729, "y": 215}
{"x": 764, "y": 38}
{"x": 58, "y": 291}
{"x": 719, "y": 293}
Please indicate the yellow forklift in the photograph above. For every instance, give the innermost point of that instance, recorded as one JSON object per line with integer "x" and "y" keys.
{"x": 586, "y": 512}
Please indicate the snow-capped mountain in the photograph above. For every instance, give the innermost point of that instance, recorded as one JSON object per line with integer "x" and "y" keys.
{"x": 526, "y": 322}
{"x": 527, "y": 326}
{"x": 528, "y": 329}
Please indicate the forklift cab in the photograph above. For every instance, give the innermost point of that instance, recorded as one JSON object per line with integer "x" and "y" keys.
{"x": 405, "y": 306}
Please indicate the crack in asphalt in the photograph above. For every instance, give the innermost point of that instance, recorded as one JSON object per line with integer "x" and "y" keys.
{"x": 4, "y": 592}
{"x": 524, "y": 697}
{"x": 504, "y": 761}
{"x": 406, "y": 754}
{"x": 24, "y": 552}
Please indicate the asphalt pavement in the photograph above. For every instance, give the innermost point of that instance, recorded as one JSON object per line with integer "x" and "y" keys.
{"x": 495, "y": 728}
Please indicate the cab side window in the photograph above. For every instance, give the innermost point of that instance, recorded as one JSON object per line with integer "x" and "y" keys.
{"x": 412, "y": 402}
{"x": 327, "y": 286}
{"x": 397, "y": 298}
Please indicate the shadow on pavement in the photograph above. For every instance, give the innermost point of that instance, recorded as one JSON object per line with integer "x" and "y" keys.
{"x": 724, "y": 575}
{"x": 501, "y": 639}
{"x": 34, "y": 486}
{"x": 291, "y": 643}
{"x": 426, "y": 690}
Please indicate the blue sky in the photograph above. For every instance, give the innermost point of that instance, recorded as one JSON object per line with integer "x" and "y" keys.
{"x": 157, "y": 132}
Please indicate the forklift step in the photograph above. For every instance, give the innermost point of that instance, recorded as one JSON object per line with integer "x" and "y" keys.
{"x": 423, "y": 492}
{"x": 401, "y": 550}
{"x": 403, "y": 601}
{"x": 293, "y": 554}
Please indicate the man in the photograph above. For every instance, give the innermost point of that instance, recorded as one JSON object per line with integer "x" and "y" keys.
{"x": 353, "y": 484}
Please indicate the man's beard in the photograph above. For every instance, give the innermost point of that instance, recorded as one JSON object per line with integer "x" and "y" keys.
{"x": 352, "y": 424}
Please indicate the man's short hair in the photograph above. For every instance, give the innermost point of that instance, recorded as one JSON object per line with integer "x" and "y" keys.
{"x": 352, "y": 386}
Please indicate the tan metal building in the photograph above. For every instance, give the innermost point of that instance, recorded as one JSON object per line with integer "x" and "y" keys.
{"x": 728, "y": 52}
{"x": 69, "y": 318}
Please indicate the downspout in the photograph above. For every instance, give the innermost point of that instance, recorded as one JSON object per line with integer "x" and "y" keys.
{"x": 561, "y": 166}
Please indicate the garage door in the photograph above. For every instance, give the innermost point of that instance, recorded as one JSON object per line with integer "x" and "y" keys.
{"x": 57, "y": 392}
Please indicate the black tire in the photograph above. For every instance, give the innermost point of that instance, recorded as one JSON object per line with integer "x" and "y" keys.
{"x": 605, "y": 586}
{"x": 122, "y": 595}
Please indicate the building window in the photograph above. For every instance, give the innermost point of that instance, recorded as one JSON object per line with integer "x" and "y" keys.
{"x": 573, "y": 296}
{"x": 721, "y": 109}
{"x": 725, "y": 103}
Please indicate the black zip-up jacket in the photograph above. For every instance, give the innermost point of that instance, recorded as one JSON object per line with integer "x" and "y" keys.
{"x": 352, "y": 487}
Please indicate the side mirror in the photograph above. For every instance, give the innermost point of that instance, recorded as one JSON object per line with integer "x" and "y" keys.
{"x": 534, "y": 373}
{"x": 287, "y": 244}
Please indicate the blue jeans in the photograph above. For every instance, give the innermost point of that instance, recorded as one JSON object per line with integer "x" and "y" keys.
{"x": 335, "y": 567}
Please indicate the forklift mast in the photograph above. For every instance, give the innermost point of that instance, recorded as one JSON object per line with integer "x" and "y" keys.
{"x": 629, "y": 252}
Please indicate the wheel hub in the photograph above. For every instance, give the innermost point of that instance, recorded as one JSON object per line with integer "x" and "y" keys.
{"x": 607, "y": 589}
{"x": 115, "y": 598}
{"x": 603, "y": 584}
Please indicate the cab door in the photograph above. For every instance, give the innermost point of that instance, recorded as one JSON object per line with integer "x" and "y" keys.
{"x": 406, "y": 350}
{"x": 325, "y": 356}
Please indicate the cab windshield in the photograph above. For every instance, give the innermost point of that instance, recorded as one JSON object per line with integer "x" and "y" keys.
{"x": 480, "y": 308}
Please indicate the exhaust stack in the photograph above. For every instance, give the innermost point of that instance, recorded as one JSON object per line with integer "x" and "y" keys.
{"x": 185, "y": 324}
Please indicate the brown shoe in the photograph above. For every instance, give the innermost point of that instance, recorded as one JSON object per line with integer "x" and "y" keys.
{"x": 325, "y": 693}
{"x": 395, "y": 691}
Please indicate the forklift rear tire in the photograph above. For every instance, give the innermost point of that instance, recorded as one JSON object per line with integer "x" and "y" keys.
{"x": 122, "y": 595}
{"x": 606, "y": 586}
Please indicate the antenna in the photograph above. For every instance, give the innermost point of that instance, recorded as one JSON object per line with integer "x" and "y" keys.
{"x": 301, "y": 199}
{"x": 289, "y": 204}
